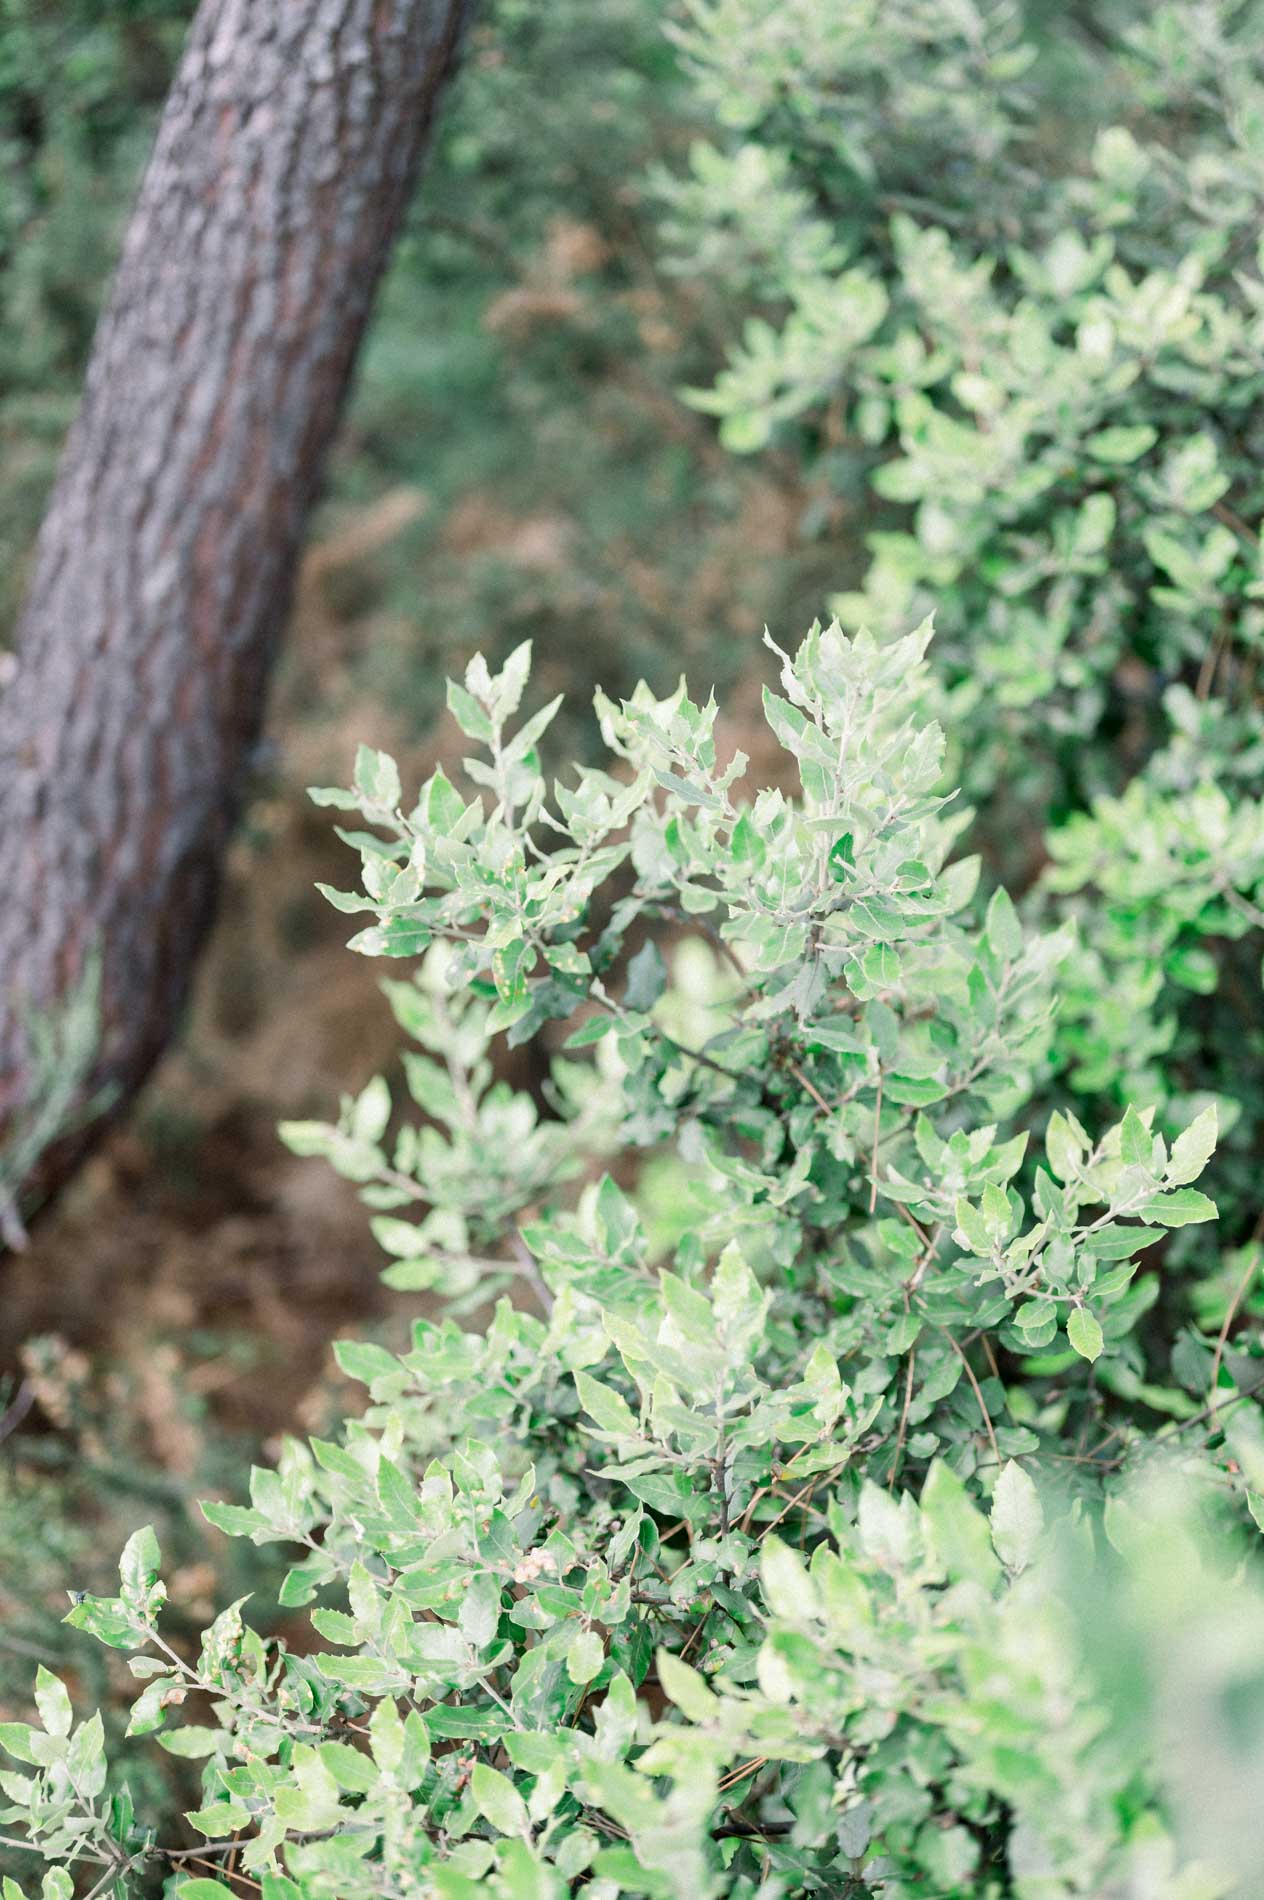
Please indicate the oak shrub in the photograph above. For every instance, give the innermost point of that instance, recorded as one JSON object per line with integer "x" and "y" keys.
{"x": 791, "y": 1526}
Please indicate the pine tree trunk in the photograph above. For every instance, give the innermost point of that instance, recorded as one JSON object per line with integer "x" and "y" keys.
{"x": 163, "y": 572}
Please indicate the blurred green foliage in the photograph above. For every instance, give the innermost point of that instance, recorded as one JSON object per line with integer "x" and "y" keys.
{"x": 999, "y": 294}
{"x": 523, "y": 373}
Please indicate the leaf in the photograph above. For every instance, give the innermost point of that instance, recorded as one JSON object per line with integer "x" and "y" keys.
{"x": 612, "y": 1413}
{"x": 52, "y": 1699}
{"x": 237, "y": 1520}
{"x": 376, "y": 778}
{"x": 192, "y": 1742}
{"x": 1004, "y": 932}
{"x": 585, "y": 1657}
{"x": 498, "y": 1801}
{"x": 788, "y": 1588}
{"x": 1182, "y": 1207}
{"x": 842, "y": 857}
{"x": 139, "y": 1565}
{"x": 220, "y": 1819}
{"x": 1063, "y": 1148}
{"x": 1121, "y": 444}
{"x": 647, "y": 977}
{"x": 1084, "y": 1333}
{"x": 109, "y": 1620}
{"x": 16, "y": 1738}
{"x": 361, "y": 1359}
{"x": 1193, "y": 1148}
{"x": 687, "y": 1689}
{"x": 469, "y": 715}
{"x": 973, "y": 1231}
{"x": 1136, "y": 1143}
{"x": 480, "y": 1611}
{"x": 1017, "y": 1518}
{"x": 958, "y": 1533}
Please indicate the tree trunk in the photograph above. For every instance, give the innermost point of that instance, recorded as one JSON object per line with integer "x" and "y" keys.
{"x": 163, "y": 572}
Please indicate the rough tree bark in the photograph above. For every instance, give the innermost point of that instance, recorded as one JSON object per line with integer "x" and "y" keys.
{"x": 162, "y": 576}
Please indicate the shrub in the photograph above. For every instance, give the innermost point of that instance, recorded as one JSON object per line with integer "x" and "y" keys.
{"x": 781, "y": 1531}
{"x": 1002, "y": 272}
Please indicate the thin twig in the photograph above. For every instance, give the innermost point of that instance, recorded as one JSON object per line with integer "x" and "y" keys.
{"x": 877, "y": 1143}
{"x": 1232, "y": 520}
{"x": 22, "y": 1402}
{"x": 739, "y": 1774}
{"x": 1253, "y": 1267}
{"x": 811, "y": 1088}
{"x": 226, "y": 1873}
{"x": 804, "y": 1491}
{"x": 978, "y": 1392}
{"x": 904, "y": 1412}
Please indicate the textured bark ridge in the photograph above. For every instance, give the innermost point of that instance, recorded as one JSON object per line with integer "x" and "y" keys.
{"x": 163, "y": 572}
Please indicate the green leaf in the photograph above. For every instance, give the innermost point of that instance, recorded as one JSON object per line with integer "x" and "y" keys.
{"x": 585, "y": 1656}
{"x": 1136, "y": 1144}
{"x": 842, "y": 857}
{"x": 192, "y": 1742}
{"x": 52, "y": 1699}
{"x": 220, "y": 1819}
{"x": 376, "y": 778}
{"x": 788, "y": 1587}
{"x": 1183, "y": 1207}
{"x": 109, "y": 1620}
{"x": 1016, "y": 1519}
{"x": 361, "y": 1359}
{"x": 1004, "y": 932}
{"x": 1125, "y": 443}
{"x": 237, "y": 1520}
{"x": 139, "y": 1565}
{"x": 958, "y": 1533}
{"x": 498, "y": 1801}
{"x": 687, "y": 1688}
{"x": 1063, "y": 1148}
{"x": 973, "y": 1231}
{"x": 647, "y": 978}
{"x": 1084, "y": 1333}
{"x": 602, "y": 1403}
{"x": 1193, "y": 1148}
{"x": 469, "y": 715}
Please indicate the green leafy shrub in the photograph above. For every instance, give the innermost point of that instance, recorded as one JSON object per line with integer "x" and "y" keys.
{"x": 810, "y": 1547}
{"x": 1005, "y": 302}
